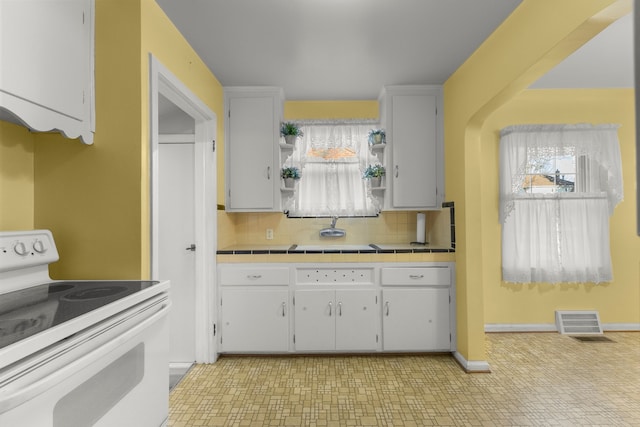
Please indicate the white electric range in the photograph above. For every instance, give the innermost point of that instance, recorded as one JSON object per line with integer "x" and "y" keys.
{"x": 78, "y": 353}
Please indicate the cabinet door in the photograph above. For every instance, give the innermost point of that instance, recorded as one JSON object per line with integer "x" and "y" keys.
{"x": 46, "y": 53}
{"x": 255, "y": 320}
{"x": 414, "y": 142}
{"x": 315, "y": 313}
{"x": 251, "y": 148}
{"x": 415, "y": 319}
{"x": 356, "y": 317}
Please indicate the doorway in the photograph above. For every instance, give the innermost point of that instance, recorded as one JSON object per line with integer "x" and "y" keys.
{"x": 183, "y": 213}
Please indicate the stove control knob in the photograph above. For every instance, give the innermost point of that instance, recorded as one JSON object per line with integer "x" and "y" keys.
{"x": 39, "y": 247}
{"x": 21, "y": 249}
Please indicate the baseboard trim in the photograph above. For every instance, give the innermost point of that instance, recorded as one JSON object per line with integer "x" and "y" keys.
{"x": 472, "y": 366}
{"x": 520, "y": 327}
{"x": 551, "y": 327}
{"x": 621, "y": 327}
{"x": 179, "y": 367}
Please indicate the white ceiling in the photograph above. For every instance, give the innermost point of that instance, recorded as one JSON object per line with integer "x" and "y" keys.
{"x": 338, "y": 49}
{"x": 606, "y": 61}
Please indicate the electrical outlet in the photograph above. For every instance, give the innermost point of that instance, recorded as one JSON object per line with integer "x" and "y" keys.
{"x": 269, "y": 234}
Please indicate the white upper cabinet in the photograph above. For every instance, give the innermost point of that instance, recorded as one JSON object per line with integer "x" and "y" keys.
{"x": 412, "y": 118}
{"x": 46, "y": 65}
{"x": 252, "y": 130}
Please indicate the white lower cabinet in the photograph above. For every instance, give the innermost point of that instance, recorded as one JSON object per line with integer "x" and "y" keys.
{"x": 254, "y": 308}
{"x": 255, "y": 319}
{"x": 342, "y": 320}
{"x": 352, "y": 307}
{"x": 415, "y": 319}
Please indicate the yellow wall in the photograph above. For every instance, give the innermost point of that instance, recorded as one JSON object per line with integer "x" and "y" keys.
{"x": 161, "y": 38}
{"x": 618, "y": 301}
{"x": 16, "y": 177}
{"x": 388, "y": 228}
{"x": 95, "y": 198}
{"x": 532, "y": 40}
{"x": 322, "y": 110}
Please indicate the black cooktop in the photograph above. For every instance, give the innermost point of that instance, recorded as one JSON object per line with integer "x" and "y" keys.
{"x": 29, "y": 311}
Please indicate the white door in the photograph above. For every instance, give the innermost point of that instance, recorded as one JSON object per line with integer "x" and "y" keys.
{"x": 255, "y": 319}
{"x": 315, "y": 325}
{"x": 415, "y": 319}
{"x": 177, "y": 234}
{"x": 251, "y": 174}
{"x": 414, "y": 151}
{"x": 356, "y": 316}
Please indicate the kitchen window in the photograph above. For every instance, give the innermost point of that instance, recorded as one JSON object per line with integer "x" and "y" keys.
{"x": 332, "y": 158}
{"x": 558, "y": 186}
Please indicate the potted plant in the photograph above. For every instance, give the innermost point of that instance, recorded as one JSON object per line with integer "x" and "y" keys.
{"x": 377, "y": 136}
{"x": 290, "y": 131}
{"x": 290, "y": 174}
{"x": 374, "y": 173}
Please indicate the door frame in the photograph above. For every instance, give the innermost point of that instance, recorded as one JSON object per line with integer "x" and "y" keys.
{"x": 162, "y": 81}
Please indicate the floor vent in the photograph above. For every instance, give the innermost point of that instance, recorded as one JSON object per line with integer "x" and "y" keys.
{"x": 578, "y": 322}
{"x": 592, "y": 338}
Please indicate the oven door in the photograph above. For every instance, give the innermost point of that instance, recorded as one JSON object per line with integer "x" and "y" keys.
{"x": 113, "y": 374}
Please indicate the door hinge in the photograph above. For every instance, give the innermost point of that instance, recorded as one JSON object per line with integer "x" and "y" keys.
{"x": 229, "y": 114}
{"x": 294, "y": 338}
{"x": 449, "y": 337}
{"x": 376, "y": 338}
{"x": 214, "y": 329}
{"x": 449, "y": 299}
{"x": 214, "y": 145}
{"x": 376, "y": 299}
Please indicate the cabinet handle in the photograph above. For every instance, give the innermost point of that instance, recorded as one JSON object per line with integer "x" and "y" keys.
{"x": 330, "y": 308}
{"x": 284, "y": 306}
{"x": 254, "y": 276}
{"x": 268, "y": 172}
{"x": 386, "y": 307}
{"x": 397, "y": 171}
{"x": 416, "y": 276}
{"x": 340, "y": 308}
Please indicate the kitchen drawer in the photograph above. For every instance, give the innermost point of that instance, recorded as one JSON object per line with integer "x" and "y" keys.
{"x": 416, "y": 276}
{"x": 254, "y": 276}
{"x": 335, "y": 276}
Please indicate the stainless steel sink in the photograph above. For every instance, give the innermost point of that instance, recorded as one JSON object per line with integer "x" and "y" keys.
{"x": 333, "y": 247}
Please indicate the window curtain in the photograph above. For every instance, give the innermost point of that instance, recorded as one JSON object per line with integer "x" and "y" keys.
{"x": 332, "y": 158}
{"x": 559, "y": 237}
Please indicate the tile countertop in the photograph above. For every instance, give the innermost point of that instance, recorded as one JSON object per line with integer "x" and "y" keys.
{"x": 389, "y": 248}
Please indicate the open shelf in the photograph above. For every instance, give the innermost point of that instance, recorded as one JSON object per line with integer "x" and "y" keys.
{"x": 284, "y": 146}
{"x": 378, "y": 147}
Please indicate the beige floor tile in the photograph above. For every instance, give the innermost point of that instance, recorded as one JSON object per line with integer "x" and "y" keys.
{"x": 537, "y": 379}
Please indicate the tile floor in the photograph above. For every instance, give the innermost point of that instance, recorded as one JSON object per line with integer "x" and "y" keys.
{"x": 537, "y": 379}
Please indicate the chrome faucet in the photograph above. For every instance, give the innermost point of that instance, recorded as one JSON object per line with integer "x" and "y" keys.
{"x": 333, "y": 221}
{"x": 332, "y": 231}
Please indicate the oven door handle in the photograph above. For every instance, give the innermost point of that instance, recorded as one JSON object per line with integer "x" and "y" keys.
{"x": 16, "y": 389}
